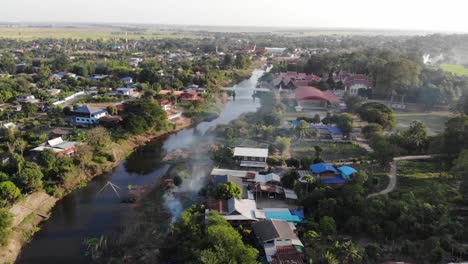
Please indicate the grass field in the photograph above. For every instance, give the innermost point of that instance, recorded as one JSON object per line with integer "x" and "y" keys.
{"x": 455, "y": 69}
{"x": 84, "y": 33}
{"x": 435, "y": 121}
{"x": 425, "y": 178}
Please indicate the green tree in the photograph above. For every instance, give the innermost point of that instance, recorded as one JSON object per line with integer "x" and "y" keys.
{"x": 6, "y": 220}
{"x": 316, "y": 119}
{"x": 283, "y": 144}
{"x": 44, "y": 73}
{"x": 228, "y": 190}
{"x": 345, "y": 123}
{"x": 460, "y": 169}
{"x": 8, "y": 63}
{"x": 415, "y": 139}
{"x": 30, "y": 177}
{"x": 372, "y": 130}
{"x": 9, "y": 192}
{"x": 377, "y": 113}
{"x": 242, "y": 61}
{"x": 327, "y": 226}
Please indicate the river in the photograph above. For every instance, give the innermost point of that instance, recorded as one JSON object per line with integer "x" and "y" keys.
{"x": 86, "y": 212}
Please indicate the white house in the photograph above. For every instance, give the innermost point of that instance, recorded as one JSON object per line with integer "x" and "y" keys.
{"x": 88, "y": 114}
{"x": 251, "y": 157}
{"x": 58, "y": 146}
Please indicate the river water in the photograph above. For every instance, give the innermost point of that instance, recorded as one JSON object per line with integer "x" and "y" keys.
{"x": 87, "y": 213}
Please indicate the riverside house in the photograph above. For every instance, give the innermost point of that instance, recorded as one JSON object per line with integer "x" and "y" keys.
{"x": 251, "y": 157}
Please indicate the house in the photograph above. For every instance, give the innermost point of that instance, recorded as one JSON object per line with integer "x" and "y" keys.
{"x": 14, "y": 107}
{"x": 127, "y": 80}
{"x": 235, "y": 211}
{"x": 88, "y": 114}
{"x": 268, "y": 178}
{"x": 251, "y": 157}
{"x": 293, "y": 80}
{"x": 127, "y": 91}
{"x": 190, "y": 97}
{"x": 109, "y": 120}
{"x": 274, "y": 235}
{"x": 328, "y": 175}
{"x": 27, "y": 98}
{"x": 59, "y": 132}
{"x": 8, "y": 125}
{"x": 59, "y": 147}
{"x": 165, "y": 104}
{"x": 53, "y": 91}
{"x": 355, "y": 84}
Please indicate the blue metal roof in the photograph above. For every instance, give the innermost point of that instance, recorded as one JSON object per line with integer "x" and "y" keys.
{"x": 296, "y": 123}
{"x": 346, "y": 171}
{"x": 336, "y": 180}
{"x": 329, "y": 129}
{"x": 322, "y": 167}
{"x": 282, "y": 215}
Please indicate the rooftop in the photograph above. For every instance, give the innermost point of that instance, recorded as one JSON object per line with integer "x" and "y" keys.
{"x": 250, "y": 152}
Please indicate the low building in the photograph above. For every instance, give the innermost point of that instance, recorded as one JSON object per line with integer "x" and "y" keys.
{"x": 128, "y": 91}
{"x": 59, "y": 147}
{"x": 251, "y": 157}
{"x": 165, "y": 104}
{"x": 328, "y": 175}
{"x": 274, "y": 236}
{"x": 27, "y": 98}
{"x": 88, "y": 114}
{"x": 127, "y": 80}
{"x": 190, "y": 97}
{"x": 235, "y": 211}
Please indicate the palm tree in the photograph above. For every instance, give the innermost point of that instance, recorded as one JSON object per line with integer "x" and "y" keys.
{"x": 308, "y": 179}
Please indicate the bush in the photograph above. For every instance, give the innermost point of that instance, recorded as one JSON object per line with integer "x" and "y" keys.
{"x": 274, "y": 161}
{"x": 371, "y": 130}
{"x": 100, "y": 159}
{"x": 293, "y": 162}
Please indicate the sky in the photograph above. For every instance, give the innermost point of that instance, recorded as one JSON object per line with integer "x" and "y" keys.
{"x": 446, "y": 15}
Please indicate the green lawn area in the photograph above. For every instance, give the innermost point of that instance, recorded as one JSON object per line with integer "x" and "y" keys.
{"x": 455, "y": 69}
{"x": 435, "y": 121}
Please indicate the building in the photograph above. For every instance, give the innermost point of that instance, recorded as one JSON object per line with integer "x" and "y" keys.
{"x": 275, "y": 236}
{"x": 293, "y": 80}
{"x": 88, "y": 114}
{"x": 59, "y": 147}
{"x": 128, "y": 91}
{"x": 27, "y": 98}
{"x": 238, "y": 181}
{"x": 165, "y": 104}
{"x": 328, "y": 175}
{"x": 355, "y": 84}
{"x": 235, "y": 211}
{"x": 310, "y": 97}
{"x": 190, "y": 97}
{"x": 251, "y": 157}
{"x": 127, "y": 80}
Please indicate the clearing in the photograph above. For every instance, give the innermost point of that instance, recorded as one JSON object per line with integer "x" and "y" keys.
{"x": 434, "y": 121}
{"x": 455, "y": 69}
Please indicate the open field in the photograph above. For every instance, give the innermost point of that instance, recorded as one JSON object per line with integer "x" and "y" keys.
{"x": 424, "y": 178}
{"x": 435, "y": 121}
{"x": 455, "y": 69}
{"x": 85, "y": 33}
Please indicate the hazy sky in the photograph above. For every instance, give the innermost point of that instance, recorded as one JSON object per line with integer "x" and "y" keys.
{"x": 448, "y": 15}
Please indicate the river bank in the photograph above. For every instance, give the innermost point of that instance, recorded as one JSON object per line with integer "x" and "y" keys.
{"x": 31, "y": 211}
{"x": 89, "y": 213}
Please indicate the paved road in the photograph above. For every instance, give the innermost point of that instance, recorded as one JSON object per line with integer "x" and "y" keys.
{"x": 393, "y": 173}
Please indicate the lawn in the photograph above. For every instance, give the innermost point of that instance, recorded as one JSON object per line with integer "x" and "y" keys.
{"x": 435, "y": 121}
{"x": 455, "y": 69}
